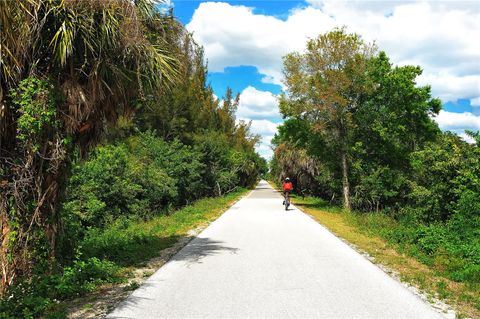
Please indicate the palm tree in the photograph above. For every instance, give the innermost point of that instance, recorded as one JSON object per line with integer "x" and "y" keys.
{"x": 99, "y": 56}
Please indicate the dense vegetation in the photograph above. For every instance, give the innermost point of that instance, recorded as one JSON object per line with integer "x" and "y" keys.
{"x": 106, "y": 121}
{"x": 360, "y": 132}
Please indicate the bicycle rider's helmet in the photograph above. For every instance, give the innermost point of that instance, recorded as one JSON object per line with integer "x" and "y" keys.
{"x": 287, "y": 179}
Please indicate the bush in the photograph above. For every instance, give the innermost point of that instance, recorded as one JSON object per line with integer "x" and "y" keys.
{"x": 84, "y": 276}
{"x": 124, "y": 243}
{"x": 114, "y": 183}
{"x": 470, "y": 273}
{"x": 430, "y": 238}
{"x": 466, "y": 220}
{"x": 41, "y": 294}
{"x": 380, "y": 188}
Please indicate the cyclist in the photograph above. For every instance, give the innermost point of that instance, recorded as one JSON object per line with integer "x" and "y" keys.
{"x": 287, "y": 188}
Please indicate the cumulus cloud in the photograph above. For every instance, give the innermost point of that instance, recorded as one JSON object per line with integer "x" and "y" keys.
{"x": 388, "y": 6}
{"x": 260, "y": 108}
{"x": 265, "y": 146}
{"x": 475, "y": 101}
{"x": 449, "y": 87}
{"x": 467, "y": 138}
{"x": 235, "y": 36}
{"x": 439, "y": 36}
{"x": 266, "y": 129}
{"x": 458, "y": 122}
{"x": 256, "y": 104}
{"x": 265, "y": 150}
{"x": 263, "y": 127}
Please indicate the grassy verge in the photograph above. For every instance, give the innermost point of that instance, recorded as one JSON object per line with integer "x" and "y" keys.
{"x": 365, "y": 231}
{"x": 130, "y": 243}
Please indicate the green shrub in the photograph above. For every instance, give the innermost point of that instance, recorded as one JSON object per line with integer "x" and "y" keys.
{"x": 124, "y": 242}
{"x": 28, "y": 300}
{"x": 40, "y": 295}
{"x": 84, "y": 276}
{"x": 465, "y": 222}
{"x": 430, "y": 238}
{"x": 114, "y": 183}
{"x": 180, "y": 162}
{"x": 470, "y": 273}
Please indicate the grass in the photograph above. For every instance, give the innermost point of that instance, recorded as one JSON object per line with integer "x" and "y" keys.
{"x": 365, "y": 231}
{"x": 130, "y": 243}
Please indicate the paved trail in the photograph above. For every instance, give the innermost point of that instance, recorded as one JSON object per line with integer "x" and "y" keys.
{"x": 259, "y": 261}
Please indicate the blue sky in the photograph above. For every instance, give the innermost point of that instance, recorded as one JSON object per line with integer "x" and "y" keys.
{"x": 245, "y": 40}
{"x": 184, "y": 9}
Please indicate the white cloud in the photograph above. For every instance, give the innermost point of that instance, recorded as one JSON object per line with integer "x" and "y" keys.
{"x": 388, "y": 6}
{"x": 449, "y": 87}
{"x": 450, "y": 121}
{"x": 259, "y": 108}
{"x": 439, "y": 36}
{"x": 467, "y": 138}
{"x": 235, "y": 36}
{"x": 263, "y": 127}
{"x": 255, "y": 104}
{"x": 265, "y": 151}
{"x": 458, "y": 123}
{"x": 266, "y": 129}
{"x": 265, "y": 146}
{"x": 475, "y": 101}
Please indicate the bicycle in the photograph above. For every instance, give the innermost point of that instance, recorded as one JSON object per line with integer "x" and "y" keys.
{"x": 286, "y": 200}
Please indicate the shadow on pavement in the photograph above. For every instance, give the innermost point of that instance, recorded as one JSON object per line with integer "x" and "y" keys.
{"x": 193, "y": 252}
{"x": 200, "y": 248}
{"x": 131, "y": 301}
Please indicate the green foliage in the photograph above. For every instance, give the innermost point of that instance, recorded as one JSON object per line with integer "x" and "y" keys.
{"x": 442, "y": 172}
{"x": 116, "y": 183}
{"x": 180, "y": 163}
{"x": 129, "y": 242}
{"x": 414, "y": 185}
{"x": 382, "y": 187}
{"x": 68, "y": 69}
{"x": 439, "y": 245}
{"x": 141, "y": 177}
{"x": 41, "y": 294}
{"x": 85, "y": 276}
{"x": 36, "y": 104}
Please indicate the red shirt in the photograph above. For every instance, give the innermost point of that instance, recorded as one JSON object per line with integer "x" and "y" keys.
{"x": 287, "y": 186}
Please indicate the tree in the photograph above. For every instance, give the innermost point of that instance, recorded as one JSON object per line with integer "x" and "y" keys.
{"x": 475, "y": 136}
{"x": 394, "y": 120}
{"x": 325, "y": 86}
{"x": 68, "y": 67}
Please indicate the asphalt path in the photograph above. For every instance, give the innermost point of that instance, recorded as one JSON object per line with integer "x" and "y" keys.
{"x": 259, "y": 261}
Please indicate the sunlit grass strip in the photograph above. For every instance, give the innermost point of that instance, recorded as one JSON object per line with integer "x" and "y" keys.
{"x": 128, "y": 243}
{"x": 361, "y": 229}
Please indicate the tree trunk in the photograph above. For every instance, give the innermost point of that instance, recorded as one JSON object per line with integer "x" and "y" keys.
{"x": 5, "y": 230}
{"x": 345, "y": 183}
